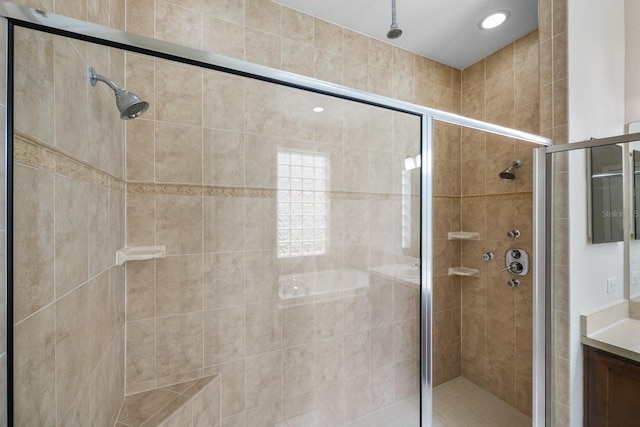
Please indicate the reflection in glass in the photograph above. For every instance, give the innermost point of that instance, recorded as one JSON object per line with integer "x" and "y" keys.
{"x": 634, "y": 239}
{"x": 636, "y": 194}
{"x": 607, "y": 210}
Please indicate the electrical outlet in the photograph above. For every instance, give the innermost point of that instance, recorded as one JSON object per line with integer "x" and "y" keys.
{"x": 635, "y": 278}
{"x": 612, "y": 285}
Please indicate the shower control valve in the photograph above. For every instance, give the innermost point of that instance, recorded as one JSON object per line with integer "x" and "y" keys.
{"x": 516, "y": 262}
{"x": 514, "y": 267}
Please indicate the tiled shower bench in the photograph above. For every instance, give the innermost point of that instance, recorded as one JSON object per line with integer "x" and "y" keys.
{"x": 194, "y": 403}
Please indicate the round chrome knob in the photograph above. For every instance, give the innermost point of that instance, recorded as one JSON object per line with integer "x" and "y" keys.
{"x": 514, "y": 234}
{"x": 514, "y": 283}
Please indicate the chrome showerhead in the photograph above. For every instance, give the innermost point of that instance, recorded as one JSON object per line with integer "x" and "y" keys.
{"x": 129, "y": 104}
{"x": 509, "y": 174}
{"x": 395, "y": 31}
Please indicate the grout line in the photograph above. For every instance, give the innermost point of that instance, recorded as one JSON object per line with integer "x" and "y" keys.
{"x": 55, "y": 327}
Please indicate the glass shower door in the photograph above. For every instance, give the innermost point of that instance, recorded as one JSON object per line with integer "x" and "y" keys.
{"x": 291, "y": 226}
{"x": 347, "y": 227}
{"x": 292, "y": 223}
{"x": 482, "y": 321}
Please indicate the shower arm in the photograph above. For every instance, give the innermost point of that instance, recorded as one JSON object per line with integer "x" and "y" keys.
{"x": 393, "y": 12}
{"x": 95, "y": 78}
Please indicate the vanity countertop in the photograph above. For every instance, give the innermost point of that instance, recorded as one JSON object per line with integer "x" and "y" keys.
{"x": 622, "y": 338}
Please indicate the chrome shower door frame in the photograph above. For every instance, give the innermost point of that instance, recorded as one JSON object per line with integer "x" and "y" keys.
{"x": 43, "y": 21}
{"x": 544, "y": 294}
{"x": 6, "y": 166}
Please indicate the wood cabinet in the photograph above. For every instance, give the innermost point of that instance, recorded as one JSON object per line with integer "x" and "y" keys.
{"x": 611, "y": 390}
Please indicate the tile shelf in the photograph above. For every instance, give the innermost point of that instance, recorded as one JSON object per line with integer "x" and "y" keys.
{"x": 463, "y": 235}
{"x": 463, "y": 271}
{"x": 139, "y": 253}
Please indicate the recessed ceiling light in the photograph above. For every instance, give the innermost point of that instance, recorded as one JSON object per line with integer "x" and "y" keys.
{"x": 494, "y": 20}
{"x": 318, "y": 109}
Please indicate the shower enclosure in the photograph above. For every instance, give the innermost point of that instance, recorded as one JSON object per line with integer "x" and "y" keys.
{"x": 287, "y": 241}
{"x": 483, "y": 287}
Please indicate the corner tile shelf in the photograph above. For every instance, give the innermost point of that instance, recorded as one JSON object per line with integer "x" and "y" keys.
{"x": 463, "y": 235}
{"x": 173, "y": 405}
{"x": 139, "y": 253}
{"x": 464, "y": 271}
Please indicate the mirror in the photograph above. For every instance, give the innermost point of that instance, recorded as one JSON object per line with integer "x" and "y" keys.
{"x": 635, "y": 193}
{"x": 614, "y": 203}
{"x": 634, "y": 223}
{"x": 606, "y": 194}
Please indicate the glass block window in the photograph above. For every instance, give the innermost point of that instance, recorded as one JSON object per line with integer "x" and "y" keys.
{"x": 303, "y": 203}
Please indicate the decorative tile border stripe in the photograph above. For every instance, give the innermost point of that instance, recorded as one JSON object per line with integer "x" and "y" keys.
{"x": 151, "y": 188}
{"x": 347, "y": 195}
{"x": 526, "y": 195}
{"x": 164, "y": 189}
{"x": 444, "y": 197}
{"x": 31, "y": 152}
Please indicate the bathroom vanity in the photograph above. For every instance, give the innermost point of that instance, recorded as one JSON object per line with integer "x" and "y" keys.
{"x": 611, "y": 389}
{"x": 611, "y": 353}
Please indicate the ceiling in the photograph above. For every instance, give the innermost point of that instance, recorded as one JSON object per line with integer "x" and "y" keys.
{"x": 444, "y": 30}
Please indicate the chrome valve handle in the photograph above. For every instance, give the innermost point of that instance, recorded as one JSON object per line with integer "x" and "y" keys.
{"x": 514, "y": 267}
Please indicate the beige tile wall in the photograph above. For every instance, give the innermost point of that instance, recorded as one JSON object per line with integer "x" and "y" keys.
{"x": 110, "y": 13}
{"x": 69, "y": 221}
{"x": 446, "y": 289}
{"x": 496, "y": 319}
{"x": 266, "y": 33}
{"x": 216, "y": 303}
{"x": 554, "y": 123}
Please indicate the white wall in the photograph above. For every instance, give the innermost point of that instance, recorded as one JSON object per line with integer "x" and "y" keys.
{"x": 632, "y": 61}
{"x": 596, "y": 109}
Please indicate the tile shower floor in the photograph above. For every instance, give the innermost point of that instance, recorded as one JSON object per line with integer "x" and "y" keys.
{"x": 461, "y": 403}
{"x": 457, "y": 403}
